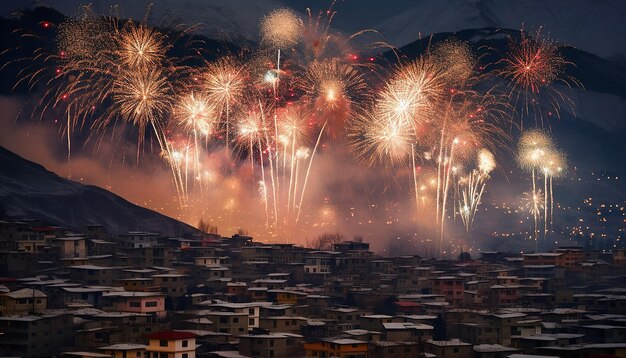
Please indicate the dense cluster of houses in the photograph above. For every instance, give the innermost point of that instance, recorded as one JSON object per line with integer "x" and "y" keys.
{"x": 140, "y": 294}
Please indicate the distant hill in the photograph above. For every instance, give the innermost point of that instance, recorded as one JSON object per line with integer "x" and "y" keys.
{"x": 28, "y": 190}
{"x": 599, "y": 109}
{"x": 593, "y": 26}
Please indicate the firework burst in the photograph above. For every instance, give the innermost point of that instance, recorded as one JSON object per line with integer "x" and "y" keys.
{"x": 533, "y": 65}
{"x": 281, "y": 28}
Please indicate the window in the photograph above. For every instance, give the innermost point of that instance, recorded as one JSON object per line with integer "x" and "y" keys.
{"x": 185, "y": 355}
{"x": 185, "y": 343}
{"x": 134, "y": 304}
{"x": 235, "y": 320}
{"x": 151, "y": 304}
{"x": 163, "y": 343}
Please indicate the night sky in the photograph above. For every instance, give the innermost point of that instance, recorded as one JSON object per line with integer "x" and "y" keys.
{"x": 581, "y": 105}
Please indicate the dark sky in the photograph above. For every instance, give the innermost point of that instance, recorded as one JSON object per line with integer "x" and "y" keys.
{"x": 356, "y": 14}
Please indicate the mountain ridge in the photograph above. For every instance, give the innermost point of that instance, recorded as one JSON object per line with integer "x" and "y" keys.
{"x": 29, "y": 190}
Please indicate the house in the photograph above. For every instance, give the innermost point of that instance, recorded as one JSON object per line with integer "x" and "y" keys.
{"x": 406, "y": 331}
{"x": 320, "y": 262}
{"x": 374, "y": 322}
{"x": 171, "y": 344}
{"x": 532, "y": 344}
{"x": 251, "y": 309}
{"x": 138, "y": 239}
{"x": 450, "y": 287}
{"x": 479, "y": 333}
{"x": 290, "y": 324}
{"x": 89, "y": 295}
{"x": 138, "y": 284}
{"x": 95, "y": 275}
{"x": 124, "y": 350}
{"x": 136, "y": 302}
{"x": 387, "y": 349}
{"x": 71, "y": 246}
{"x": 212, "y": 261}
{"x": 22, "y": 301}
{"x": 129, "y": 326}
{"x": 493, "y": 351}
{"x": 285, "y": 296}
{"x": 171, "y": 284}
{"x": 35, "y": 336}
{"x": 235, "y": 323}
{"x": 277, "y": 345}
{"x": 339, "y": 348}
{"x": 450, "y": 349}
{"x": 604, "y": 333}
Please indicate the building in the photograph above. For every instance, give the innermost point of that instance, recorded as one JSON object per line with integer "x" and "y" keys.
{"x": 171, "y": 344}
{"x": 278, "y": 345}
{"x": 124, "y": 350}
{"x": 136, "y": 302}
{"x": 339, "y": 348}
{"x": 35, "y": 336}
{"x": 454, "y": 348}
{"x": 22, "y": 301}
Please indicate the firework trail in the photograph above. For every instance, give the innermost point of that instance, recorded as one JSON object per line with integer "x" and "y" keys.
{"x": 538, "y": 154}
{"x": 473, "y": 187}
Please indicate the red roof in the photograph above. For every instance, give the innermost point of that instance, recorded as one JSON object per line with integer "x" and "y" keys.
{"x": 171, "y": 335}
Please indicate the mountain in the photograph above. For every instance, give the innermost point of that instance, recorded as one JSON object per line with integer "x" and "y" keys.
{"x": 594, "y": 26}
{"x": 28, "y": 190}
{"x": 217, "y": 19}
{"x": 598, "y": 107}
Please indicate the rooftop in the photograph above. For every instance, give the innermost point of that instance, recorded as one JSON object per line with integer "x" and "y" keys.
{"x": 171, "y": 335}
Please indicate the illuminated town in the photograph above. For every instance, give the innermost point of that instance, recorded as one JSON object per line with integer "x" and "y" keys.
{"x": 288, "y": 178}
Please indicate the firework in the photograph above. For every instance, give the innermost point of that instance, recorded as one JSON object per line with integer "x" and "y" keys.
{"x": 380, "y": 139}
{"x": 468, "y": 120}
{"x": 84, "y": 37}
{"x": 327, "y": 214}
{"x": 195, "y": 112}
{"x": 473, "y": 187}
{"x": 456, "y": 60}
{"x": 140, "y": 45}
{"x": 224, "y": 81}
{"x": 413, "y": 91}
{"x": 281, "y": 28}
{"x": 537, "y": 154}
{"x": 331, "y": 89}
{"x": 532, "y": 65}
{"x": 434, "y": 117}
{"x": 142, "y": 97}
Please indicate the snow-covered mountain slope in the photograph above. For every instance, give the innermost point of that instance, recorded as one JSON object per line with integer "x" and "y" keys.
{"x": 28, "y": 190}
{"x": 217, "y": 19}
{"x": 594, "y": 26}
